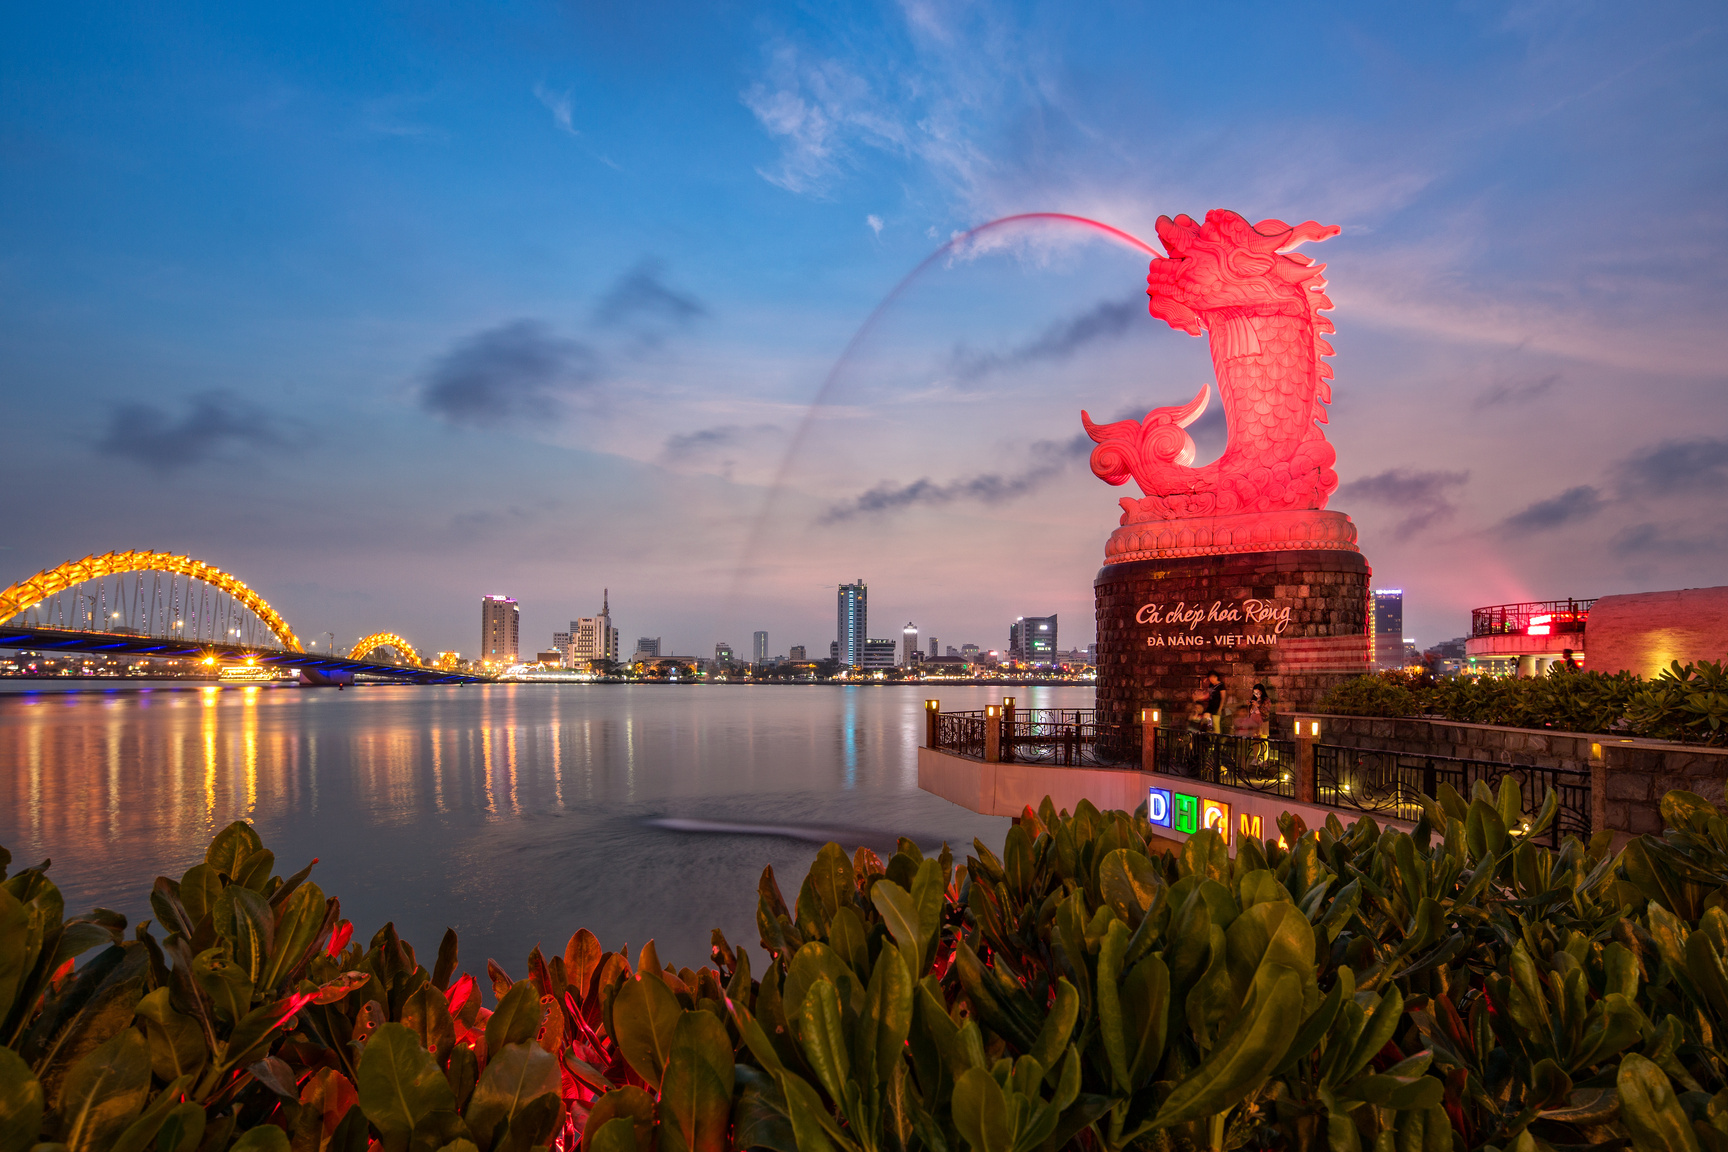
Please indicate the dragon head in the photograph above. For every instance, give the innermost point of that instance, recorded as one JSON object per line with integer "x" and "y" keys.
{"x": 1229, "y": 263}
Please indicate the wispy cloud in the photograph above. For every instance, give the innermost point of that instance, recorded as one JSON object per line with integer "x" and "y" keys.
{"x": 557, "y": 103}
{"x": 521, "y": 370}
{"x": 643, "y": 294}
{"x": 1420, "y": 499}
{"x": 1516, "y": 392}
{"x": 681, "y": 444}
{"x": 212, "y": 425}
{"x": 1049, "y": 459}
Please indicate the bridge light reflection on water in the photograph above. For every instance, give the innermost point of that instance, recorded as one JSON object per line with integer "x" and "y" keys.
{"x": 515, "y": 813}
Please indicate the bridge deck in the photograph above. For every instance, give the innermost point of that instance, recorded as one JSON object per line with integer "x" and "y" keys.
{"x": 129, "y": 644}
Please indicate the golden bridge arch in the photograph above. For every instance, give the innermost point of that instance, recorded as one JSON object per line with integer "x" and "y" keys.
{"x": 385, "y": 640}
{"x": 52, "y": 581}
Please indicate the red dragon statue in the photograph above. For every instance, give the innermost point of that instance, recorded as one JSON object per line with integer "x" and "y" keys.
{"x": 1261, "y": 306}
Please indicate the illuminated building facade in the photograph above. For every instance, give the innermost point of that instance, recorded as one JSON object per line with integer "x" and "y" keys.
{"x": 878, "y": 654}
{"x": 909, "y": 642}
{"x": 759, "y": 646}
{"x": 1032, "y": 639}
{"x": 852, "y": 625}
{"x": 1386, "y": 628}
{"x": 500, "y": 622}
{"x": 593, "y": 637}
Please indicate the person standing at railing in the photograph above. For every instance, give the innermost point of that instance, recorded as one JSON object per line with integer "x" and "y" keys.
{"x": 1212, "y": 713}
{"x": 1255, "y": 717}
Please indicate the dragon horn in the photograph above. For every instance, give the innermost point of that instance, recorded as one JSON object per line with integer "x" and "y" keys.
{"x": 1184, "y": 415}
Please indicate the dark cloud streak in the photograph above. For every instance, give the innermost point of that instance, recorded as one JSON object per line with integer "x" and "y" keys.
{"x": 1569, "y": 507}
{"x": 1058, "y": 342}
{"x": 1050, "y": 459}
{"x": 214, "y": 425}
{"x": 517, "y": 371}
{"x": 1677, "y": 465}
{"x": 642, "y": 293}
{"x": 1423, "y": 498}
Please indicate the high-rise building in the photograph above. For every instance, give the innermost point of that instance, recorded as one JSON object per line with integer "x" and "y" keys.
{"x": 796, "y": 654}
{"x": 1033, "y": 639}
{"x": 759, "y": 646}
{"x": 500, "y": 620}
{"x": 909, "y": 635}
{"x": 1386, "y": 628}
{"x": 834, "y": 650}
{"x": 593, "y": 637}
{"x": 878, "y": 654}
{"x": 561, "y": 641}
{"x": 723, "y": 654}
{"x": 935, "y": 648}
{"x": 853, "y": 624}
{"x": 969, "y": 651}
{"x": 648, "y": 646}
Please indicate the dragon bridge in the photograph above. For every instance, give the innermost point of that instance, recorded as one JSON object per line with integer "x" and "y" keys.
{"x": 126, "y": 604}
{"x": 389, "y": 640}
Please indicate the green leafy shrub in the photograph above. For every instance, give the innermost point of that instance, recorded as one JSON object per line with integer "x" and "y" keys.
{"x": 1686, "y": 702}
{"x": 1448, "y": 990}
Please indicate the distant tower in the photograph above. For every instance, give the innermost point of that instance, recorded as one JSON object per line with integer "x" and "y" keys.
{"x": 935, "y": 649}
{"x": 593, "y": 637}
{"x": 1386, "y": 628}
{"x": 760, "y": 646}
{"x": 852, "y": 626}
{"x": 909, "y": 635}
{"x": 500, "y": 620}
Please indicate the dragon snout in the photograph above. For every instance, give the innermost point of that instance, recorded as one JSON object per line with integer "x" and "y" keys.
{"x": 1175, "y": 313}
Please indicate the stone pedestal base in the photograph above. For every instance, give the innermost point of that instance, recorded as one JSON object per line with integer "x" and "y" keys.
{"x": 1300, "y": 530}
{"x": 1295, "y": 620}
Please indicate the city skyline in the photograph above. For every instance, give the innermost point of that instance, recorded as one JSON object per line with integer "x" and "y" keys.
{"x": 542, "y": 298}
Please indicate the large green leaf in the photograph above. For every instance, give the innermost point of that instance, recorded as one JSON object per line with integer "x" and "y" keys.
{"x": 696, "y": 1093}
{"x": 627, "y": 1103}
{"x": 886, "y": 1019}
{"x": 515, "y": 1076}
{"x": 822, "y": 1031}
{"x": 21, "y": 1103}
{"x": 176, "y": 1042}
{"x": 264, "y": 1138}
{"x": 104, "y": 1092}
{"x": 244, "y": 921}
{"x": 427, "y": 1013}
{"x": 1650, "y": 1110}
{"x": 981, "y": 1112}
{"x": 1246, "y": 1056}
{"x": 517, "y": 1017}
{"x": 297, "y": 925}
{"x": 400, "y": 1085}
{"x": 644, "y": 1016}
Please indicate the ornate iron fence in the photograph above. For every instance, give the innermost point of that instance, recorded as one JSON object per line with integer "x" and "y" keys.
{"x": 1391, "y": 783}
{"x": 1069, "y": 737}
{"x": 961, "y": 733}
{"x": 1237, "y": 761}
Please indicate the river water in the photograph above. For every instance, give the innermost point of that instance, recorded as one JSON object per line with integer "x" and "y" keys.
{"x": 512, "y": 813}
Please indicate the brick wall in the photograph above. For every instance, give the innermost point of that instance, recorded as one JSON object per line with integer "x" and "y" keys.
{"x": 1323, "y": 641}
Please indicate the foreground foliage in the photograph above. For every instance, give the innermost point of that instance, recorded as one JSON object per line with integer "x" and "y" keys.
{"x": 1358, "y": 988}
{"x": 1686, "y": 702}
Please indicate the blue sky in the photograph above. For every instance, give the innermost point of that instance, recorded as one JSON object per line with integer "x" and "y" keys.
{"x": 388, "y": 307}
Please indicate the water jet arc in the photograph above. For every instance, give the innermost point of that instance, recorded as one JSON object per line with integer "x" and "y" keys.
{"x": 954, "y": 242}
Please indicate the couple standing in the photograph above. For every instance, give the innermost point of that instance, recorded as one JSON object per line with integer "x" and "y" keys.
{"x": 1253, "y": 718}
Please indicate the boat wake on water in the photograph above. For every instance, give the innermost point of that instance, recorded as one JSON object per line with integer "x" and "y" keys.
{"x": 810, "y": 833}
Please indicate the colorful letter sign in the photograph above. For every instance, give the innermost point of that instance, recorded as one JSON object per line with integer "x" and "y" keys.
{"x": 1215, "y": 814}
{"x": 1187, "y": 810}
{"x": 1158, "y": 807}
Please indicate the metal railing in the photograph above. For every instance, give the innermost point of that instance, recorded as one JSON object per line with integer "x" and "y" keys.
{"x": 1515, "y": 619}
{"x": 1237, "y": 761}
{"x": 961, "y": 733}
{"x": 1392, "y": 783}
{"x": 1378, "y": 782}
